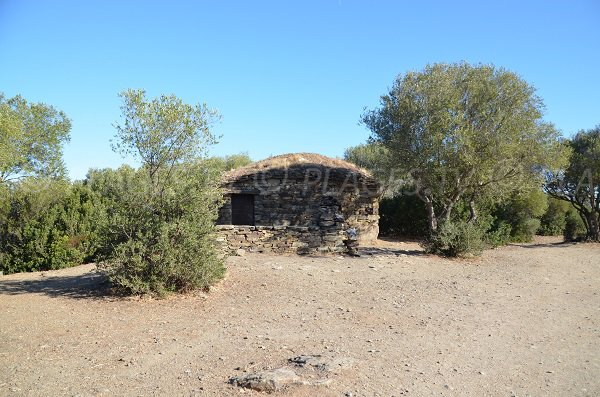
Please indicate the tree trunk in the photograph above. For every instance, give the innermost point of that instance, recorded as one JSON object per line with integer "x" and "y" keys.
{"x": 593, "y": 226}
{"x": 433, "y": 222}
{"x": 472, "y": 212}
{"x": 431, "y": 216}
{"x": 447, "y": 213}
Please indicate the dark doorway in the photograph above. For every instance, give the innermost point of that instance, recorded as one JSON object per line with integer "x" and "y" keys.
{"x": 242, "y": 209}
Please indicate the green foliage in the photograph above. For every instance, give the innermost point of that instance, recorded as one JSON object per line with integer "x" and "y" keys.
{"x": 163, "y": 132}
{"x": 84, "y": 220}
{"x": 575, "y": 229}
{"x": 376, "y": 158}
{"x": 522, "y": 214}
{"x": 113, "y": 187}
{"x": 457, "y": 239}
{"x": 515, "y": 219}
{"x": 463, "y": 133}
{"x": 231, "y": 162}
{"x": 579, "y": 182}
{"x": 159, "y": 244}
{"x": 402, "y": 215}
{"x": 553, "y": 221}
{"x": 160, "y": 230}
{"x": 31, "y": 139}
{"x": 499, "y": 235}
{"x": 47, "y": 224}
{"x": 371, "y": 156}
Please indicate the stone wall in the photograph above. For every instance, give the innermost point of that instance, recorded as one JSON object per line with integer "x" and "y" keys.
{"x": 302, "y": 209}
{"x": 279, "y": 239}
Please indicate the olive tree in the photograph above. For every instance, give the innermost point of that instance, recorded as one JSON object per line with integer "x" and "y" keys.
{"x": 31, "y": 139}
{"x": 460, "y": 133}
{"x": 161, "y": 216}
{"x": 579, "y": 182}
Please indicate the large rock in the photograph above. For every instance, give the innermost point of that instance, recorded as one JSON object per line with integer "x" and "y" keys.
{"x": 267, "y": 381}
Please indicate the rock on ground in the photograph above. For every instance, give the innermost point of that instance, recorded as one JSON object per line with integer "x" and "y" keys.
{"x": 267, "y": 381}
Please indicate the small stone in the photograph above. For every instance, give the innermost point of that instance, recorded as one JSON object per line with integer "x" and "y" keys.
{"x": 240, "y": 252}
{"x": 321, "y": 363}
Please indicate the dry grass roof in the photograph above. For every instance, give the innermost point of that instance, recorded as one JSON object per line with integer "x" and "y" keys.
{"x": 289, "y": 160}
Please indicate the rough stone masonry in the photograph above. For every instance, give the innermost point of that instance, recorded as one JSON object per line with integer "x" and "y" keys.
{"x": 297, "y": 203}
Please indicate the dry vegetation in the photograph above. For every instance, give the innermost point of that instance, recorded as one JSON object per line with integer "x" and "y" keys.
{"x": 284, "y": 161}
{"x": 521, "y": 320}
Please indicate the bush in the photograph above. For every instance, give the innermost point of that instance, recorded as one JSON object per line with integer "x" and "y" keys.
{"x": 160, "y": 233}
{"x": 47, "y": 224}
{"x": 522, "y": 213}
{"x": 160, "y": 243}
{"x": 524, "y": 230}
{"x": 574, "y": 227}
{"x": 553, "y": 222}
{"x": 498, "y": 236}
{"x": 457, "y": 239}
{"x": 230, "y": 162}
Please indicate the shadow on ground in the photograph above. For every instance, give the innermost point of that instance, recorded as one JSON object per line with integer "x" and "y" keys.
{"x": 366, "y": 251}
{"x": 544, "y": 245}
{"x": 84, "y": 286}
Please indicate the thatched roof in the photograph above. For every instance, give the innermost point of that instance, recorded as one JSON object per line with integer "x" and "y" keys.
{"x": 285, "y": 161}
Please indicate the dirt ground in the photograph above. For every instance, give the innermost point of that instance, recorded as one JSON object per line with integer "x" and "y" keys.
{"x": 522, "y": 320}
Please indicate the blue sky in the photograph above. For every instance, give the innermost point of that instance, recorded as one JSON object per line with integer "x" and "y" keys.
{"x": 287, "y": 76}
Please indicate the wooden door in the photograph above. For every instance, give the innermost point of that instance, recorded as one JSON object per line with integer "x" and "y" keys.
{"x": 242, "y": 209}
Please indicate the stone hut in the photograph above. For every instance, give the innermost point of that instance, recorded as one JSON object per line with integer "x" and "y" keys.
{"x": 298, "y": 203}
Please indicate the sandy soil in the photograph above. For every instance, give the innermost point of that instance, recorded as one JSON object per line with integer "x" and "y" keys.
{"x": 521, "y": 320}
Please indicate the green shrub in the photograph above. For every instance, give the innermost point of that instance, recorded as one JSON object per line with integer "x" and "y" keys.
{"x": 524, "y": 230}
{"x": 177, "y": 257}
{"x": 553, "y": 222}
{"x": 230, "y": 162}
{"x": 498, "y": 236}
{"x": 457, "y": 239}
{"x": 522, "y": 212}
{"x": 160, "y": 233}
{"x": 574, "y": 227}
{"x": 160, "y": 243}
{"x": 46, "y": 224}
